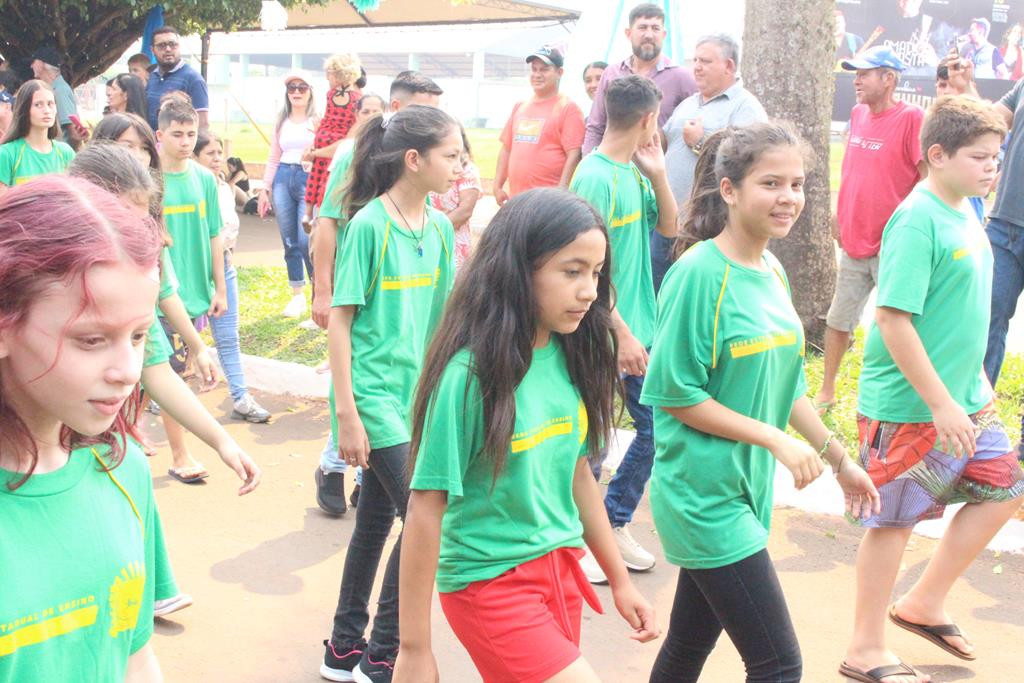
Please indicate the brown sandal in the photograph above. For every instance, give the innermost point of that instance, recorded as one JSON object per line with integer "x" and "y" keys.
{"x": 934, "y": 634}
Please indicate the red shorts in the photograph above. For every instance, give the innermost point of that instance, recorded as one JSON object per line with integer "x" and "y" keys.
{"x": 524, "y": 625}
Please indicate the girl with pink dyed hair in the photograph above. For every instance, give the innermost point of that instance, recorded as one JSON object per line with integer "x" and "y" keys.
{"x": 81, "y": 543}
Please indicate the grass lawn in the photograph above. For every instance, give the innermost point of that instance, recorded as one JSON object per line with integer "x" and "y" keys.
{"x": 264, "y": 332}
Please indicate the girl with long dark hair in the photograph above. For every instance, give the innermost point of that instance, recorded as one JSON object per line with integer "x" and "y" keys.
{"x": 31, "y": 148}
{"x": 725, "y": 378}
{"x": 516, "y": 393}
{"x": 397, "y": 258}
{"x": 126, "y": 94}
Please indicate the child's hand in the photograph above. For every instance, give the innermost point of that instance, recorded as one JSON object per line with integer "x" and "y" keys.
{"x": 353, "y": 444}
{"x": 650, "y": 158}
{"x": 415, "y": 666}
{"x": 218, "y": 305}
{"x": 955, "y": 429}
{"x": 635, "y": 609}
{"x": 797, "y": 457}
{"x": 204, "y": 368}
{"x": 263, "y": 203}
{"x": 632, "y": 356}
{"x": 859, "y": 492}
{"x": 321, "y": 313}
{"x": 236, "y": 459}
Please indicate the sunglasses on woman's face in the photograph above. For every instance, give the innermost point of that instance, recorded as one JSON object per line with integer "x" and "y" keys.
{"x": 297, "y": 87}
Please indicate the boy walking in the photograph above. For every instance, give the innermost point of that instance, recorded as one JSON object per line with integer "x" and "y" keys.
{"x": 929, "y": 434}
{"x": 631, "y": 205}
{"x": 193, "y": 220}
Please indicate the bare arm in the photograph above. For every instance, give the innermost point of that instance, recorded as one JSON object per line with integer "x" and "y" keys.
{"x": 324, "y": 248}
{"x": 204, "y": 120}
{"x": 327, "y": 151}
{"x": 178, "y": 401}
{"x": 353, "y": 444}
{"x": 143, "y": 667}
{"x": 650, "y": 158}
{"x": 500, "y": 176}
{"x": 220, "y": 295}
{"x": 597, "y": 534}
{"x": 711, "y": 417}
{"x": 420, "y": 549}
{"x": 572, "y": 158}
{"x": 464, "y": 211}
{"x": 955, "y": 429}
{"x": 1003, "y": 111}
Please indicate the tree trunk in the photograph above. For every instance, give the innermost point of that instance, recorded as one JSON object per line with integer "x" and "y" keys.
{"x": 787, "y": 63}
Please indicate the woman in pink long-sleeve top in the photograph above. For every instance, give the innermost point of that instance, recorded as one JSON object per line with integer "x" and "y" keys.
{"x": 284, "y": 184}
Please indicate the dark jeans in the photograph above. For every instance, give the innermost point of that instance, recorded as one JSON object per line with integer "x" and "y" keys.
{"x": 384, "y": 491}
{"x": 745, "y": 599}
{"x": 627, "y": 486}
{"x": 661, "y": 257}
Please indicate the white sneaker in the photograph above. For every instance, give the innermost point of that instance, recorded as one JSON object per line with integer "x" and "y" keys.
{"x": 164, "y": 607}
{"x": 591, "y": 569}
{"x": 308, "y": 324}
{"x": 633, "y": 554}
{"x": 296, "y": 307}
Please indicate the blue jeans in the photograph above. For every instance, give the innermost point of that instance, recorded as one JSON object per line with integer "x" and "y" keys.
{"x": 330, "y": 460}
{"x": 289, "y": 192}
{"x": 1007, "y": 283}
{"x": 661, "y": 257}
{"x": 627, "y": 486}
{"x": 225, "y": 334}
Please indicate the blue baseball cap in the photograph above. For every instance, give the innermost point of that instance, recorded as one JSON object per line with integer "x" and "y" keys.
{"x": 880, "y": 56}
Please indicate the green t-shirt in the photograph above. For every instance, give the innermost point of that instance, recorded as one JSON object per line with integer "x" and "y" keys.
{"x": 531, "y": 510}
{"x": 158, "y": 348}
{"x": 192, "y": 217}
{"x": 935, "y": 263}
{"x": 331, "y": 205}
{"x": 78, "y": 568}
{"x": 399, "y": 293}
{"x": 624, "y": 198}
{"x": 19, "y": 163}
{"x": 728, "y": 333}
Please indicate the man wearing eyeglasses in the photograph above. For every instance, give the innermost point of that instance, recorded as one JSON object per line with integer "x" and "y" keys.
{"x": 172, "y": 73}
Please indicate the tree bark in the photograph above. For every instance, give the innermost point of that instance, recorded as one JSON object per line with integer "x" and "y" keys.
{"x": 787, "y": 63}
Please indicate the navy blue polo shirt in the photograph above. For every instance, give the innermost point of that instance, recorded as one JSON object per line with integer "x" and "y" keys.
{"x": 182, "y": 77}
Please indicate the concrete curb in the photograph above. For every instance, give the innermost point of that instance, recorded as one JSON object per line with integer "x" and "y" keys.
{"x": 282, "y": 377}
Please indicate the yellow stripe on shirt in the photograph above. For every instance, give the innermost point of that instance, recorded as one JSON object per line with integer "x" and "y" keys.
{"x": 41, "y": 631}
{"x": 179, "y": 209}
{"x": 625, "y": 220}
{"x": 557, "y": 427}
{"x": 767, "y": 342}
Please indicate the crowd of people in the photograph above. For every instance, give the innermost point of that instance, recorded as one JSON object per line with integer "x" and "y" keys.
{"x": 475, "y": 383}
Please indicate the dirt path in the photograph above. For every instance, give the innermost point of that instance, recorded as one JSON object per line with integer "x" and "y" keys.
{"x": 264, "y": 571}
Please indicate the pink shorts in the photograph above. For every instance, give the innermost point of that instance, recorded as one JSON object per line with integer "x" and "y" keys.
{"x": 524, "y": 625}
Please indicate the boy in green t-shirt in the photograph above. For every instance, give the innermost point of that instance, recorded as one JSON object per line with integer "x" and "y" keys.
{"x": 929, "y": 433}
{"x": 192, "y": 218}
{"x": 631, "y": 205}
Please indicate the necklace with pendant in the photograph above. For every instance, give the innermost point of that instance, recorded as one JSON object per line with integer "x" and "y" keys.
{"x": 423, "y": 226}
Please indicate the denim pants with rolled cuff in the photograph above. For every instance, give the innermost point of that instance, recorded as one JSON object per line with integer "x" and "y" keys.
{"x": 225, "y": 334}
{"x": 384, "y": 492}
{"x": 289, "y": 193}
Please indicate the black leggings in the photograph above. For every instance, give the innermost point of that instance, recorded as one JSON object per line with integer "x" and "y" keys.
{"x": 746, "y": 600}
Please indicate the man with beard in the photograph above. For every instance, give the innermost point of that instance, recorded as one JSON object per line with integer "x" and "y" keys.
{"x": 174, "y": 73}
{"x": 646, "y": 34}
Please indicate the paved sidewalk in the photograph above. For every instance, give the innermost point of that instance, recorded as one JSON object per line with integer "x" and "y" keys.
{"x": 264, "y": 570}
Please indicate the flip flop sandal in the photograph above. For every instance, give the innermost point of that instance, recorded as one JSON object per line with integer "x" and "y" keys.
{"x": 877, "y": 674}
{"x": 181, "y": 474}
{"x": 934, "y": 634}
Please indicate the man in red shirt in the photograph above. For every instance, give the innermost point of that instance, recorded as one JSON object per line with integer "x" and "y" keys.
{"x": 541, "y": 142}
{"x": 882, "y": 163}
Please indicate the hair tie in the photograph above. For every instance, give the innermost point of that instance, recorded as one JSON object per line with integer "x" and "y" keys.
{"x": 385, "y": 119}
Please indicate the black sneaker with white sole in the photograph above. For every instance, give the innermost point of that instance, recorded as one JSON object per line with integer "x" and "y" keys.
{"x": 340, "y": 661}
{"x": 330, "y": 491}
{"x": 372, "y": 670}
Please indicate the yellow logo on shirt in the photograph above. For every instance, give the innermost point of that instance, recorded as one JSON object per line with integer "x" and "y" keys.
{"x": 126, "y": 598}
{"x": 531, "y": 438}
{"x": 178, "y": 209}
{"x": 624, "y": 220}
{"x": 407, "y": 281}
{"x": 766, "y": 342}
{"x": 51, "y": 622}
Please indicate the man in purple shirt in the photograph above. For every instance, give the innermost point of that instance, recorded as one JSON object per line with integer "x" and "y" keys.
{"x": 646, "y": 33}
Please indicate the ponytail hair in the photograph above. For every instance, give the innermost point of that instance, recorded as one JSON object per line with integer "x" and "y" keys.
{"x": 378, "y": 160}
{"x": 729, "y": 153}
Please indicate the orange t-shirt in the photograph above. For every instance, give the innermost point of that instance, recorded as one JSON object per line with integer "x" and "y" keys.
{"x": 539, "y": 136}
